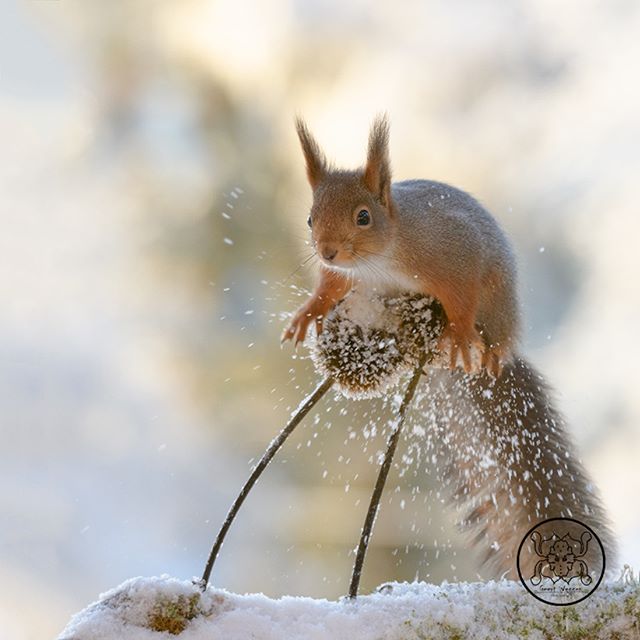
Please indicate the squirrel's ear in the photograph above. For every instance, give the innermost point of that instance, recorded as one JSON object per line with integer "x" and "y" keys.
{"x": 377, "y": 172}
{"x": 315, "y": 159}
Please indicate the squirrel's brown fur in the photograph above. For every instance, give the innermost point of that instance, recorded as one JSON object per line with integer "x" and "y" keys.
{"x": 423, "y": 236}
{"x": 431, "y": 238}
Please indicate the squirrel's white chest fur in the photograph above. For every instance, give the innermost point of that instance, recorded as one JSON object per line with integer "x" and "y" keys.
{"x": 379, "y": 275}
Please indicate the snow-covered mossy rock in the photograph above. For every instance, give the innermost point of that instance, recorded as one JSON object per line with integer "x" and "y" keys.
{"x": 156, "y": 608}
{"x": 147, "y": 606}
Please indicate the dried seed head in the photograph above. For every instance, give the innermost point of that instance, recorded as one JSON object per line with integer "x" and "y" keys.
{"x": 369, "y": 342}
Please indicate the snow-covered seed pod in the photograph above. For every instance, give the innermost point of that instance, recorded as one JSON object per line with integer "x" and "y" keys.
{"x": 367, "y": 343}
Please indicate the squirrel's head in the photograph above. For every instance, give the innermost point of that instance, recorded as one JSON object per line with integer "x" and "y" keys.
{"x": 352, "y": 215}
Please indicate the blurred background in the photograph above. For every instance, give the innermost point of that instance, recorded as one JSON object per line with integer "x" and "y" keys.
{"x": 153, "y": 222}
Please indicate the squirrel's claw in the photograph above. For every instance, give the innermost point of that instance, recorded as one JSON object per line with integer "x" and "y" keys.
{"x": 300, "y": 331}
{"x": 458, "y": 343}
{"x": 297, "y": 330}
{"x": 492, "y": 361}
{"x": 289, "y": 332}
{"x": 464, "y": 350}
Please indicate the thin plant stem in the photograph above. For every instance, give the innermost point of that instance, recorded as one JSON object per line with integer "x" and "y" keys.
{"x": 374, "y": 505}
{"x": 272, "y": 449}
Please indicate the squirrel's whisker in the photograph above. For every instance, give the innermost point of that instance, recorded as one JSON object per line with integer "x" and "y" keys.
{"x": 300, "y": 266}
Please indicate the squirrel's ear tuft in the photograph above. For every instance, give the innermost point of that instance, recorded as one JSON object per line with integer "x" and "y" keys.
{"x": 377, "y": 172}
{"x": 315, "y": 159}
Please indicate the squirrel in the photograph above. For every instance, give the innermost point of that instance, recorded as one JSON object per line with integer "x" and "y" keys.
{"x": 418, "y": 235}
{"x": 427, "y": 237}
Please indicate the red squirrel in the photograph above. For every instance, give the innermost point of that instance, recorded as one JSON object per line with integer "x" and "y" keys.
{"x": 417, "y": 235}
{"x": 510, "y": 460}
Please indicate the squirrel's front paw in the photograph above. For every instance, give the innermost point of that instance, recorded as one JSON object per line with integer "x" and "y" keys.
{"x": 297, "y": 329}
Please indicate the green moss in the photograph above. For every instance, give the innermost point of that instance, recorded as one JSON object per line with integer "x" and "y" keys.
{"x": 173, "y": 615}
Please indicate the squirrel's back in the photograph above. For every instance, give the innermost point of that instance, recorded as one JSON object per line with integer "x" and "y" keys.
{"x": 451, "y": 229}
{"x": 437, "y": 203}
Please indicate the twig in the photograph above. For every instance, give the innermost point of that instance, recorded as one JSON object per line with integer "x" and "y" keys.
{"x": 276, "y": 443}
{"x": 392, "y": 443}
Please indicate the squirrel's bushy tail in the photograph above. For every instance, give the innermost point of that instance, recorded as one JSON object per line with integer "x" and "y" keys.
{"x": 510, "y": 462}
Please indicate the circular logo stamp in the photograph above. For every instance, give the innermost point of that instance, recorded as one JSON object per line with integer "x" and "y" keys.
{"x": 561, "y": 561}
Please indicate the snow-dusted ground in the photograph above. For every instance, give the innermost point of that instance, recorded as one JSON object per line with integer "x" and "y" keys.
{"x": 457, "y": 611}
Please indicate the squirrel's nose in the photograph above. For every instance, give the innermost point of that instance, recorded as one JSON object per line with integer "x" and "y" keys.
{"x": 329, "y": 253}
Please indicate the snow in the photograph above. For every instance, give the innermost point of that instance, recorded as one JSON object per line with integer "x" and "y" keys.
{"x": 471, "y": 611}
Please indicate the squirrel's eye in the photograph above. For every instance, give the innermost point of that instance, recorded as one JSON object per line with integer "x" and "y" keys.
{"x": 364, "y": 218}
{"x": 309, "y": 221}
